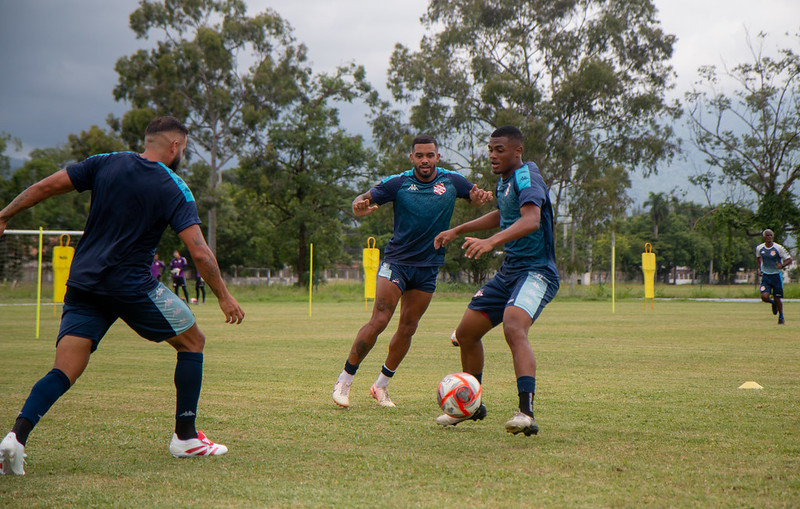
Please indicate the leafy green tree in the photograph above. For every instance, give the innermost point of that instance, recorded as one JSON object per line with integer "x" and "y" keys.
{"x": 301, "y": 176}
{"x": 67, "y": 212}
{"x": 5, "y": 160}
{"x": 583, "y": 79}
{"x": 94, "y": 141}
{"x": 659, "y": 210}
{"x": 196, "y": 74}
{"x": 751, "y": 135}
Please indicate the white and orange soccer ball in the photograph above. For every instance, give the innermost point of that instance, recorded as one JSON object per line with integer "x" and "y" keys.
{"x": 459, "y": 395}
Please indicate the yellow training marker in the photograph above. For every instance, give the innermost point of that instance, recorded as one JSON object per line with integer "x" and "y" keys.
{"x": 750, "y": 385}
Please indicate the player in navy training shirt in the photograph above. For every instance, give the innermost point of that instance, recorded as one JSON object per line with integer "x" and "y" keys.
{"x": 771, "y": 259}
{"x": 423, "y": 198}
{"x": 134, "y": 198}
{"x": 527, "y": 279}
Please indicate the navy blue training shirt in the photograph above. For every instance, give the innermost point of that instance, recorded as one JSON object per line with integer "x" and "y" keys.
{"x": 422, "y": 210}
{"x": 133, "y": 202}
{"x": 536, "y": 250}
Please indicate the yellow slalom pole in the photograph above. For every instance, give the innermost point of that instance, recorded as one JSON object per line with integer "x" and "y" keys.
{"x": 613, "y": 274}
{"x": 39, "y": 284}
{"x": 310, "y": 276}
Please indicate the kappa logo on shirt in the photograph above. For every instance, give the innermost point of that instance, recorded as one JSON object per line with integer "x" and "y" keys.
{"x": 413, "y": 187}
{"x": 439, "y": 189}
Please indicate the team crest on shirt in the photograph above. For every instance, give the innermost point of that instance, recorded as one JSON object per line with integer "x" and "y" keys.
{"x": 508, "y": 189}
{"x": 439, "y": 189}
{"x": 773, "y": 253}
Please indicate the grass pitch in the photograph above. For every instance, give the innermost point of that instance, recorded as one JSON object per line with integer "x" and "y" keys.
{"x": 635, "y": 408}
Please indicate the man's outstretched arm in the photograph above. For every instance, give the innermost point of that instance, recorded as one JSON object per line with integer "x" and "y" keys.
{"x": 57, "y": 183}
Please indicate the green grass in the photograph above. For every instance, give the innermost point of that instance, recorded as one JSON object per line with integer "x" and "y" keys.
{"x": 636, "y": 408}
{"x": 347, "y": 292}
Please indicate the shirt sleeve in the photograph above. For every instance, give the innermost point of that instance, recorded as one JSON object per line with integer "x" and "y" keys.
{"x": 82, "y": 174}
{"x": 386, "y": 190}
{"x": 784, "y": 254}
{"x": 462, "y": 185}
{"x": 183, "y": 212}
{"x": 528, "y": 190}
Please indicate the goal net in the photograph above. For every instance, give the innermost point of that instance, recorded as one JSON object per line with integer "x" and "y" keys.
{"x": 23, "y": 270}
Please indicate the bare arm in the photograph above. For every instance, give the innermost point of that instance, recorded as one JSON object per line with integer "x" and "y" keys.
{"x": 529, "y": 222}
{"x": 206, "y": 264}
{"x": 57, "y": 183}
{"x": 485, "y": 222}
{"x": 363, "y": 205}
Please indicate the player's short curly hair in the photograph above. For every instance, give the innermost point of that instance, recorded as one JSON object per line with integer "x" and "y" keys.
{"x": 424, "y": 139}
{"x": 508, "y": 131}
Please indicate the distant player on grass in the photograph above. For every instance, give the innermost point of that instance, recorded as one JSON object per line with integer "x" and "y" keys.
{"x": 772, "y": 258}
{"x": 157, "y": 268}
{"x": 424, "y": 198}
{"x": 527, "y": 279}
{"x": 134, "y": 198}
{"x": 176, "y": 268}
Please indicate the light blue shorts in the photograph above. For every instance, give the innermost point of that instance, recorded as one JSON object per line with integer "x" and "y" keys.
{"x": 156, "y": 316}
{"x": 529, "y": 291}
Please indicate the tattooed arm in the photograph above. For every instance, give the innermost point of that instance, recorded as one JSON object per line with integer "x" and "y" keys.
{"x": 57, "y": 183}
{"x": 207, "y": 266}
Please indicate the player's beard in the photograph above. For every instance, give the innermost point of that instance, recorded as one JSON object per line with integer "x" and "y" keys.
{"x": 425, "y": 173}
{"x": 175, "y": 162}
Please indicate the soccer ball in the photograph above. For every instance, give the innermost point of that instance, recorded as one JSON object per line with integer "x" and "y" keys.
{"x": 193, "y": 300}
{"x": 459, "y": 395}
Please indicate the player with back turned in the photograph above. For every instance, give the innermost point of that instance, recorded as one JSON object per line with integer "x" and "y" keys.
{"x": 134, "y": 198}
{"x": 526, "y": 281}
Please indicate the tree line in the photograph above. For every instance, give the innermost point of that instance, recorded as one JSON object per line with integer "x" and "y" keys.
{"x": 586, "y": 81}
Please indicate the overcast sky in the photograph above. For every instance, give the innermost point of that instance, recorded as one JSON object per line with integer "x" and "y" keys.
{"x": 57, "y": 56}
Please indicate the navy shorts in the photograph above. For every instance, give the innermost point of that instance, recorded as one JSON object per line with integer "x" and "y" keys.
{"x": 772, "y": 283}
{"x": 529, "y": 291}
{"x": 408, "y": 277}
{"x": 156, "y": 316}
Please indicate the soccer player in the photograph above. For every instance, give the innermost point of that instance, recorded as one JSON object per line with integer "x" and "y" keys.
{"x": 772, "y": 258}
{"x": 424, "y": 198}
{"x": 527, "y": 279}
{"x": 199, "y": 287}
{"x": 157, "y": 268}
{"x": 177, "y": 264}
{"x": 134, "y": 198}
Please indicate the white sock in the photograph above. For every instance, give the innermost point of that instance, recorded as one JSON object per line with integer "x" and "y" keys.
{"x": 345, "y": 377}
{"x": 382, "y": 381}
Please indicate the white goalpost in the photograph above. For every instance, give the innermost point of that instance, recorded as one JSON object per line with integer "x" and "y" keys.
{"x": 26, "y": 257}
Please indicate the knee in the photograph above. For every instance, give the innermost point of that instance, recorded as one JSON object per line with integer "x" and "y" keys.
{"x": 379, "y": 322}
{"x": 407, "y": 329}
{"x": 190, "y": 341}
{"x": 514, "y": 334}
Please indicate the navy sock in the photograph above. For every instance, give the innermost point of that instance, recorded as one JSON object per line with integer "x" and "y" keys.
{"x": 188, "y": 381}
{"x": 479, "y": 377}
{"x": 43, "y": 395}
{"x": 350, "y": 369}
{"x": 526, "y": 388}
{"x": 386, "y": 371}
